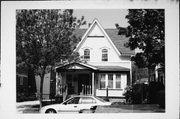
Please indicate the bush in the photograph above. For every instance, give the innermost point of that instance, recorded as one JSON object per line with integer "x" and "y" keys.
{"x": 153, "y": 93}
{"x": 154, "y": 88}
{"x": 24, "y": 97}
{"x": 136, "y": 93}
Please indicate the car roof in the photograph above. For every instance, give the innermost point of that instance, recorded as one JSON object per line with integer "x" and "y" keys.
{"x": 81, "y": 96}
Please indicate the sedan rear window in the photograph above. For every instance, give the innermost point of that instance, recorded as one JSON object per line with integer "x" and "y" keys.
{"x": 74, "y": 100}
{"x": 87, "y": 100}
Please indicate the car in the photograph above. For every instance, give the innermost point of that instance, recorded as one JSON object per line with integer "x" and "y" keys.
{"x": 76, "y": 104}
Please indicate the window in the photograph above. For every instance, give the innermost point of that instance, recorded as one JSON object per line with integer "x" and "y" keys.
{"x": 102, "y": 81}
{"x": 118, "y": 81}
{"x": 113, "y": 81}
{"x": 110, "y": 80}
{"x": 86, "y": 54}
{"x": 87, "y": 100}
{"x": 104, "y": 55}
{"x": 74, "y": 100}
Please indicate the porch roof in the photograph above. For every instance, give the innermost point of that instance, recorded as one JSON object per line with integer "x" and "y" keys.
{"x": 75, "y": 65}
{"x": 86, "y": 66}
{"x": 112, "y": 68}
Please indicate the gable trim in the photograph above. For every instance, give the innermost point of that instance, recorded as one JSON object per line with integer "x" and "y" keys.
{"x": 64, "y": 67}
{"x": 104, "y": 32}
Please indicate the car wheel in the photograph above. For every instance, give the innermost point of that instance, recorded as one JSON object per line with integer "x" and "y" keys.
{"x": 50, "y": 111}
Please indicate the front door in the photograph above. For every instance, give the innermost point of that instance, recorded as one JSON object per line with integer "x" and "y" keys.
{"x": 83, "y": 81}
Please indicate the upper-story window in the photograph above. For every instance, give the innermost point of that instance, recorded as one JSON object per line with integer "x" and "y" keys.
{"x": 86, "y": 54}
{"x": 104, "y": 55}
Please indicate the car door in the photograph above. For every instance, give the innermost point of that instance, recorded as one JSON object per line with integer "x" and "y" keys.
{"x": 70, "y": 106}
{"x": 87, "y": 103}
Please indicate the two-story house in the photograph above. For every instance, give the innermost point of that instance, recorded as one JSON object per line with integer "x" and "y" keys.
{"x": 106, "y": 64}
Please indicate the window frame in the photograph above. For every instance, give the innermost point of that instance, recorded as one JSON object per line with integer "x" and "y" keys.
{"x": 118, "y": 81}
{"x": 104, "y": 56}
{"x": 86, "y": 54}
{"x": 114, "y": 81}
{"x": 103, "y": 81}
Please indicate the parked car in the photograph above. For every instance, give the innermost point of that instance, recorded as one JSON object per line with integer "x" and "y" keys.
{"x": 76, "y": 104}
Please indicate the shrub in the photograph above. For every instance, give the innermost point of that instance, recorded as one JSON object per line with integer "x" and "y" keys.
{"x": 154, "y": 88}
{"x": 24, "y": 97}
{"x": 136, "y": 93}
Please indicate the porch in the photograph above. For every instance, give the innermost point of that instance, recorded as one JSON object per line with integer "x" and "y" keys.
{"x": 84, "y": 79}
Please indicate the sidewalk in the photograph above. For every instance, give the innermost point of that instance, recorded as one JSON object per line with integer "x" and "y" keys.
{"x": 22, "y": 107}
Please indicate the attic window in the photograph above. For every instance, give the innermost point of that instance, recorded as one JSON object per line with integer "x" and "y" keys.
{"x": 86, "y": 54}
{"x": 104, "y": 55}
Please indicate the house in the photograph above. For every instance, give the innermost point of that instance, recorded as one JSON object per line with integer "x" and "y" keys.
{"x": 25, "y": 82}
{"x": 105, "y": 64}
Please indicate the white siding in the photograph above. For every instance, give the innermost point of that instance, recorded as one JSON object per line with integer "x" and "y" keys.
{"x": 46, "y": 85}
{"x": 96, "y": 44}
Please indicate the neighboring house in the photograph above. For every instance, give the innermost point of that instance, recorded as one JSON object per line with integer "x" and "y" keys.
{"x": 105, "y": 64}
{"x": 49, "y": 85}
{"x": 25, "y": 82}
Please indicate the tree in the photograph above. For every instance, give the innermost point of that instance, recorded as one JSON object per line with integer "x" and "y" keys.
{"x": 45, "y": 37}
{"x": 146, "y": 33}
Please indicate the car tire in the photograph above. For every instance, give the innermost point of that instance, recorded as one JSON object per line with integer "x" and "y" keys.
{"x": 50, "y": 111}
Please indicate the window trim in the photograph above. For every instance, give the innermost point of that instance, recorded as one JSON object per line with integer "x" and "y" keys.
{"x": 107, "y": 81}
{"x": 104, "y": 55}
{"x": 88, "y": 54}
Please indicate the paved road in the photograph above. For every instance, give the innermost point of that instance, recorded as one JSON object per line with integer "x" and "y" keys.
{"x": 33, "y": 107}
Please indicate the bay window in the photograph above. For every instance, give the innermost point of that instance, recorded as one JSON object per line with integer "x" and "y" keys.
{"x": 112, "y": 80}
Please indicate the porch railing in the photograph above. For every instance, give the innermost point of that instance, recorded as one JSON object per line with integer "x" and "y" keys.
{"x": 86, "y": 90}
{"x": 62, "y": 88}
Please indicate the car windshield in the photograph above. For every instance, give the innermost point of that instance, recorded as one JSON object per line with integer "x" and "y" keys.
{"x": 100, "y": 99}
{"x": 73, "y": 100}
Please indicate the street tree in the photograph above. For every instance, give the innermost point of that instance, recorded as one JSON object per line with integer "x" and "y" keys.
{"x": 146, "y": 33}
{"x": 44, "y": 38}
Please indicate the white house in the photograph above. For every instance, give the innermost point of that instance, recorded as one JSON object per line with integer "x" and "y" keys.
{"x": 106, "y": 64}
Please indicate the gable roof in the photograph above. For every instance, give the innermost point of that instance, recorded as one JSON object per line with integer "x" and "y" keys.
{"x": 94, "y": 23}
{"x": 118, "y": 40}
{"x": 82, "y": 66}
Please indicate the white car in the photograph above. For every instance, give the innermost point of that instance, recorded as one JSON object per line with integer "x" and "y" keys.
{"x": 75, "y": 104}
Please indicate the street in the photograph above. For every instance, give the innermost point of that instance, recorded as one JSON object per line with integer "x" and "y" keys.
{"x": 33, "y": 107}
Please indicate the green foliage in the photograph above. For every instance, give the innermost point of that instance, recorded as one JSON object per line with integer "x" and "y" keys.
{"x": 136, "y": 93}
{"x": 44, "y": 37}
{"x": 146, "y": 32}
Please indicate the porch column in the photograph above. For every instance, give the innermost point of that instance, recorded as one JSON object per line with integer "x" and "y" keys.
{"x": 92, "y": 83}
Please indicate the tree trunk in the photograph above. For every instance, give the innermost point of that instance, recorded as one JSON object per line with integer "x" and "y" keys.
{"x": 41, "y": 88}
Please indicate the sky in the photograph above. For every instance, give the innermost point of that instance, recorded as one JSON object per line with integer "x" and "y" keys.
{"x": 107, "y": 17}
